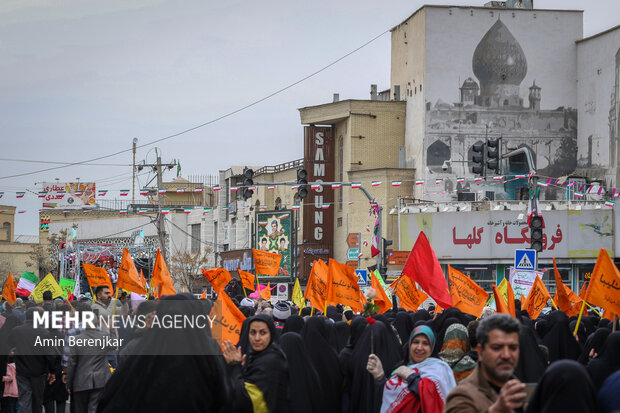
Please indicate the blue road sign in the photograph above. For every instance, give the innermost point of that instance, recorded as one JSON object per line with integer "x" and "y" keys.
{"x": 525, "y": 259}
{"x": 362, "y": 276}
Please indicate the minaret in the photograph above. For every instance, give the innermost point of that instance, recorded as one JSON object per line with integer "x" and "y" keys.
{"x": 534, "y": 97}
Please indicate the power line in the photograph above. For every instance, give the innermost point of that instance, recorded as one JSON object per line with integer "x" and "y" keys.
{"x": 62, "y": 163}
{"x": 249, "y": 105}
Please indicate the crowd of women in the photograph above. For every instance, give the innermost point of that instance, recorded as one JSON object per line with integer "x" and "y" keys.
{"x": 291, "y": 361}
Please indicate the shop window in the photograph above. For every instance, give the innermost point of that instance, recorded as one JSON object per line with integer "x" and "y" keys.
{"x": 549, "y": 278}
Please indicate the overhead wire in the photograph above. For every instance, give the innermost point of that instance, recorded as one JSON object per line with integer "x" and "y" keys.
{"x": 231, "y": 113}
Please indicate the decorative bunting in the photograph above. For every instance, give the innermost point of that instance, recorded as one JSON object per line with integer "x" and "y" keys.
{"x": 478, "y": 179}
{"x": 336, "y": 186}
{"x": 356, "y": 185}
{"x": 198, "y": 190}
{"x": 42, "y": 194}
{"x": 161, "y": 191}
{"x": 460, "y": 180}
{"x": 325, "y": 206}
{"x": 124, "y": 192}
{"x": 234, "y": 188}
{"x": 296, "y": 206}
{"x": 315, "y": 186}
{"x": 21, "y": 211}
{"x": 142, "y": 211}
{"x": 419, "y": 181}
{"x": 543, "y": 184}
{"x": 122, "y": 211}
{"x": 294, "y": 186}
{"x": 206, "y": 210}
{"x": 165, "y": 211}
{"x": 438, "y": 181}
{"x": 102, "y": 192}
{"x": 217, "y": 188}
{"x": 610, "y": 203}
{"x": 519, "y": 176}
{"x": 144, "y": 191}
{"x": 498, "y": 178}
{"x": 19, "y": 194}
{"x": 375, "y": 183}
{"x": 187, "y": 210}
{"x": 1, "y": 194}
{"x": 578, "y": 195}
{"x": 397, "y": 183}
{"x": 271, "y": 187}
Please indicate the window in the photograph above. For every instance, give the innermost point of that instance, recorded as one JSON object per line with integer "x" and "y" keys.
{"x": 195, "y": 239}
{"x": 339, "y": 222}
{"x": 484, "y": 275}
{"x": 278, "y": 203}
{"x": 549, "y": 278}
{"x": 7, "y": 227}
{"x": 436, "y": 154}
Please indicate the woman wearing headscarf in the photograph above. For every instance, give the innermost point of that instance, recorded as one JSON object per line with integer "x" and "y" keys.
{"x": 260, "y": 378}
{"x": 420, "y": 386}
{"x": 455, "y": 351}
{"x": 305, "y": 387}
{"x": 294, "y": 324}
{"x": 565, "y": 387}
{"x": 381, "y": 341}
{"x": 403, "y": 323}
{"x": 421, "y": 315}
{"x": 343, "y": 330}
{"x": 532, "y": 362}
{"x": 316, "y": 335}
{"x": 593, "y": 345}
{"x": 559, "y": 339}
{"x": 171, "y": 361}
{"x": 358, "y": 324}
{"x": 608, "y": 360}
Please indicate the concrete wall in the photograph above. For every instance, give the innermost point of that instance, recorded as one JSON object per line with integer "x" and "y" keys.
{"x": 598, "y": 66}
{"x": 408, "y": 69}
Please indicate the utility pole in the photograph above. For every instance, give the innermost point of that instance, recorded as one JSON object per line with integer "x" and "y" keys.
{"x": 133, "y": 182}
{"x": 161, "y": 230}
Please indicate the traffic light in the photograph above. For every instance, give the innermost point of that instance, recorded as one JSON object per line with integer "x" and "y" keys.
{"x": 478, "y": 160}
{"x": 248, "y": 183}
{"x": 302, "y": 189}
{"x": 536, "y": 232}
{"x": 493, "y": 155}
{"x": 384, "y": 252}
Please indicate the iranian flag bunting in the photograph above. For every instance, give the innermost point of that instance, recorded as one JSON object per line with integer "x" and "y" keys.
{"x": 26, "y": 284}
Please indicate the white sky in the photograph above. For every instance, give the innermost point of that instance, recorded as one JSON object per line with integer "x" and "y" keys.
{"x": 82, "y": 79}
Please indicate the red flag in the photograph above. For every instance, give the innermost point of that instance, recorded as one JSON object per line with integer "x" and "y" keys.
{"x": 423, "y": 267}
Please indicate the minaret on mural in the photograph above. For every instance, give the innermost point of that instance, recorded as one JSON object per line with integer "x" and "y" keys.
{"x": 534, "y": 97}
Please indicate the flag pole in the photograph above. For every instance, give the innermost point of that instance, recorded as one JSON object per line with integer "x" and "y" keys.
{"x": 593, "y": 309}
{"x": 583, "y": 304}
{"x": 553, "y": 302}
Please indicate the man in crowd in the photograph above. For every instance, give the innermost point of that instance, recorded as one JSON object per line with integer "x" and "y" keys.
{"x": 492, "y": 385}
{"x": 34, "y": 363}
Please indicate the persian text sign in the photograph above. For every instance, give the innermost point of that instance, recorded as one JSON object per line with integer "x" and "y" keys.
{"x": 471, "y": 235}
{"x": 69, "y": 195}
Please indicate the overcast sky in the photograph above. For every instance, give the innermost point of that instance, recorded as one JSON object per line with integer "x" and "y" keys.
{"x": 81, "y": 79}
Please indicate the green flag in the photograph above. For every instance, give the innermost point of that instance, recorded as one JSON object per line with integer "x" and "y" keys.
{"x": 67, "y": 286}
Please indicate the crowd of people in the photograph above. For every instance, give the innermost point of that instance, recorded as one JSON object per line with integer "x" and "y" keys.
{"x": 307, "y": 361}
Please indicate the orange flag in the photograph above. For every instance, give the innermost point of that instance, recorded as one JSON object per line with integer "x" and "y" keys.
{"x": 96, "y": 276}
{"x": 142, "y": 279}
{"x": 8, "y": 292}
{"x": 410, "y": 298}
{"x": 160, "y": 278}
{"x": 344, "y": 288}
{"x": 564, "y": 296}
{"x": 604, "y": 286}
{"x": 128, "y": 277}
{"x": 467, "y": 296}
{"x": 422, "y": 266}
{"x": 510, "y": 296}
{"x": 247, "y": 279}
{"x": 266, "y": 292}
{"x": 266, "y": 263}
{"x": 228, "y": 319}
{"x": 382, "y": 299}
{"x": 318, "y": 285}
{"x": 537, "y": 298}
{"x": 500, "y": 303}
{"x": 582, "y": 292}
{"x": 203, "y": 295}
{"x": 218, "y": 277}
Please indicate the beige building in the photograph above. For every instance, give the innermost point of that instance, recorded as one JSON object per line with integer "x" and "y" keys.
{"x": 16, "y": 251}
{"x": 369, "y": 144}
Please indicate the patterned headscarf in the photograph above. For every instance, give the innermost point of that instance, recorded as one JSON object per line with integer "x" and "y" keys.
{"x": 426, "y": 330}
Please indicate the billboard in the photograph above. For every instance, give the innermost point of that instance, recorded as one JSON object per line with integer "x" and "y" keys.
{"x": 274, "y": 234}
{"x": 497, "y": 234}
{"x": 318, "y": 207}
{"x": 68, "y": 195}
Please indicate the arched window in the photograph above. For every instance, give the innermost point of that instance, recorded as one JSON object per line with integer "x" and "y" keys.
{"x": 278, "y": 203}
{"x": 436, "y": 154}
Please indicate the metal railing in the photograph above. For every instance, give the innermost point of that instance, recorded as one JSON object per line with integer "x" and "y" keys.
{"x": 298, "y": 163}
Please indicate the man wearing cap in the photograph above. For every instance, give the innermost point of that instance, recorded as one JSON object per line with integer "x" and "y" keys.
{"x": 281, "y": 311}
{"x": 492, "y": 386}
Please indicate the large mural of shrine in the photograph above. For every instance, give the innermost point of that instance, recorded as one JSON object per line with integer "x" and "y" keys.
{"x": 499, "y": 92}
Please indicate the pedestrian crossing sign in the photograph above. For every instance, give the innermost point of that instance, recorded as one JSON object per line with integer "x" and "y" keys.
{"x": 525, "y": 259}
{"x": 362, "y": 276}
